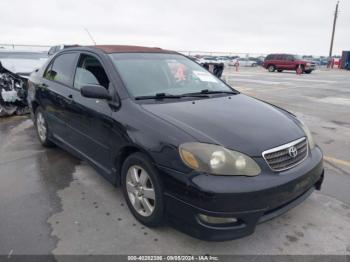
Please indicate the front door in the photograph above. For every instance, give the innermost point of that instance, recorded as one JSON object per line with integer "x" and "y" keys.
{"x": 90, "y": 119}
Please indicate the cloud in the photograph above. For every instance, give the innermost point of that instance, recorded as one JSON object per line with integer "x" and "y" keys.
{"x": 252, "y": 26}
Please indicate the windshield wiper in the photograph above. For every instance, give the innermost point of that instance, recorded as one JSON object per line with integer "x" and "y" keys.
{"x": 157, "y": 96}
{"x": 206, "y": 92}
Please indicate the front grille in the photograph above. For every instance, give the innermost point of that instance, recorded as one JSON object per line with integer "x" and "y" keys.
{"x": 282, "y": 157}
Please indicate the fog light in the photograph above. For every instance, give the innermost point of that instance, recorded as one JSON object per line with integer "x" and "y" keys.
{"x": 217, "y": 220}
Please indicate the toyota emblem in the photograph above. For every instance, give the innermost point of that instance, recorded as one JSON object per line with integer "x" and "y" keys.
{"x": 292, "y": 151}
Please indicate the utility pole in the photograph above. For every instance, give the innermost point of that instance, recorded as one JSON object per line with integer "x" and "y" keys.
{"x": 334, "y": 23}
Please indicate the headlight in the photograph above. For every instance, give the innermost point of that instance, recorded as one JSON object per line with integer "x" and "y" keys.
{"x": 217, "y": 160}
{"x": 308, "y": 134}
{"x": 308, "y": 64}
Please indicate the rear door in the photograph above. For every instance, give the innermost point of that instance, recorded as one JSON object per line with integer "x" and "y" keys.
{"x": 279, "y": 62}
{"x": 290, "y": 63}
{"x": 55, "y": 95}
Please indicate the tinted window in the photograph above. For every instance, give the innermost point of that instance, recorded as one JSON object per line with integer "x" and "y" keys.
{"x": 270, "y": 57}
{"x": 90, "y": 72}
{"x": 278, "y": 57}
{"x": 48, "y": 71}
{"x": 61, "y": 70}
{"x": 290, "y": 58}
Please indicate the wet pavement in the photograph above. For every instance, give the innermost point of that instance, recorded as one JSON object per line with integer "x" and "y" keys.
{"x": 30, "y": 177}
{"x": 52, "y": 203}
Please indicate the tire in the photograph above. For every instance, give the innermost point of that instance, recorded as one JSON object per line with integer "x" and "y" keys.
{"x": 254, "y": 65}
{"x": 147, "y": 211}
{"x": 308, "y": 71}
{"x": 271, "y": 68}
{"x": 41, "y": 127}
{"x": 279, "y": 70}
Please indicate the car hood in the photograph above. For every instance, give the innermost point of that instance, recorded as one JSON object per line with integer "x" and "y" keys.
{"x": 22, "y": 67}
{"x": 239, "y": 123}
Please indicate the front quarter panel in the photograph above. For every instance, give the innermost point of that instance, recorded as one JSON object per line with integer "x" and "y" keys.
{"x": 158, "y": 138}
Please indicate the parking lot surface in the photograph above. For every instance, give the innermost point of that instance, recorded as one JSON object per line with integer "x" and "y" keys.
{"x": 53, "y": 203}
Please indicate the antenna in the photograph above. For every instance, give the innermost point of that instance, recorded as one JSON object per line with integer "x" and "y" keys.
{"x": 92, "y": 39}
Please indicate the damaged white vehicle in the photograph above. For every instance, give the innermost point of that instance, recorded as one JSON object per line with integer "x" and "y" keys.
{"x": 15, "y": 68}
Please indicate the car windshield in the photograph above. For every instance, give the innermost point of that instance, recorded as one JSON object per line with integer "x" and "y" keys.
{"x": 297, "y": 57}
{"x": 23, "y": 55}
{"x": 148, "y": 74}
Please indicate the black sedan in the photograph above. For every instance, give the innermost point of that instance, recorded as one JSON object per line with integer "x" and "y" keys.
{"x": 185, "y": 147}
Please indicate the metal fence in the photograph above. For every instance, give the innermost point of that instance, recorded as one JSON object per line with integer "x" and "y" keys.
{"x": 43, "y": 48}
{"x": 39, "y": 48}
{"x": 218, "y": 53}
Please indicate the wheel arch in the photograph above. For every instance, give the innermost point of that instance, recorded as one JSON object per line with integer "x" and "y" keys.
{"x": 34, "y": 106}
{"x": 123, "y": 154}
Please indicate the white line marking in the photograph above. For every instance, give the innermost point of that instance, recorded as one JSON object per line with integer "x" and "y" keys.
{"x": 311, "y": 80}
{"x": 289, "y": 79}
{"x": 336, "y": 100}
{"x": 260, "y": 81}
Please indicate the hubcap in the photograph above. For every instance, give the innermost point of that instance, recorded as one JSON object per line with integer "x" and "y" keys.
{"x": 140, "y": 190}
{"x": 40, "y": 123}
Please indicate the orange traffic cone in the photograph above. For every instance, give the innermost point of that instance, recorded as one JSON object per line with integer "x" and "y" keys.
{"x": 299, "y": 70}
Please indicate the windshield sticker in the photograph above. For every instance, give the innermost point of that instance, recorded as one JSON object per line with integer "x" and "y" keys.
{"x": 205, "y": 77}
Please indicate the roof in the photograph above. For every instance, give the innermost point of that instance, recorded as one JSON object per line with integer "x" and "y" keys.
{"x": 130, "y": 49}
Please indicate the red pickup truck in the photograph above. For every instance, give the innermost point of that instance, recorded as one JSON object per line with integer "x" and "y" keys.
{"x": 282, "y": 62}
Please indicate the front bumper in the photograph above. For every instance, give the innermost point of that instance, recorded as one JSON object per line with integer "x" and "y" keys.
{"x": 249, "y": 200}
{"x": 310, "y": 67}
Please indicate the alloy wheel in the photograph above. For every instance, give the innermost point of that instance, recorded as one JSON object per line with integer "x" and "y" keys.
{"x": 140, "y": 190}
{"x": 41, "y": 126}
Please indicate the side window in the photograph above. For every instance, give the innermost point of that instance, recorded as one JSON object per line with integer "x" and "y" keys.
{"x": 290, "y": 58}
{"x": 271, "y": 57}
{"x": 61, "y": 69}
{"x": 48, "y": 71}
{"x": 90, "y": 72}
{"x": 277, "y": 57}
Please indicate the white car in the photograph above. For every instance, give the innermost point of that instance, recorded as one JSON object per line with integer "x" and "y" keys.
{"x": 243, "y": 62}
{"x": 209, "y": 60}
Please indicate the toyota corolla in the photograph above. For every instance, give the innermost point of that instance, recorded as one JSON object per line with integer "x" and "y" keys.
{"x": 185, "y": 147}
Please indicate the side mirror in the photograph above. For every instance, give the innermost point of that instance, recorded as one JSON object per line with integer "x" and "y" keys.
{"x": 95, "y": 91}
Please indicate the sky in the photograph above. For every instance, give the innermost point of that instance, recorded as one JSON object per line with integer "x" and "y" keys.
{"x": 244, "y": 26}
